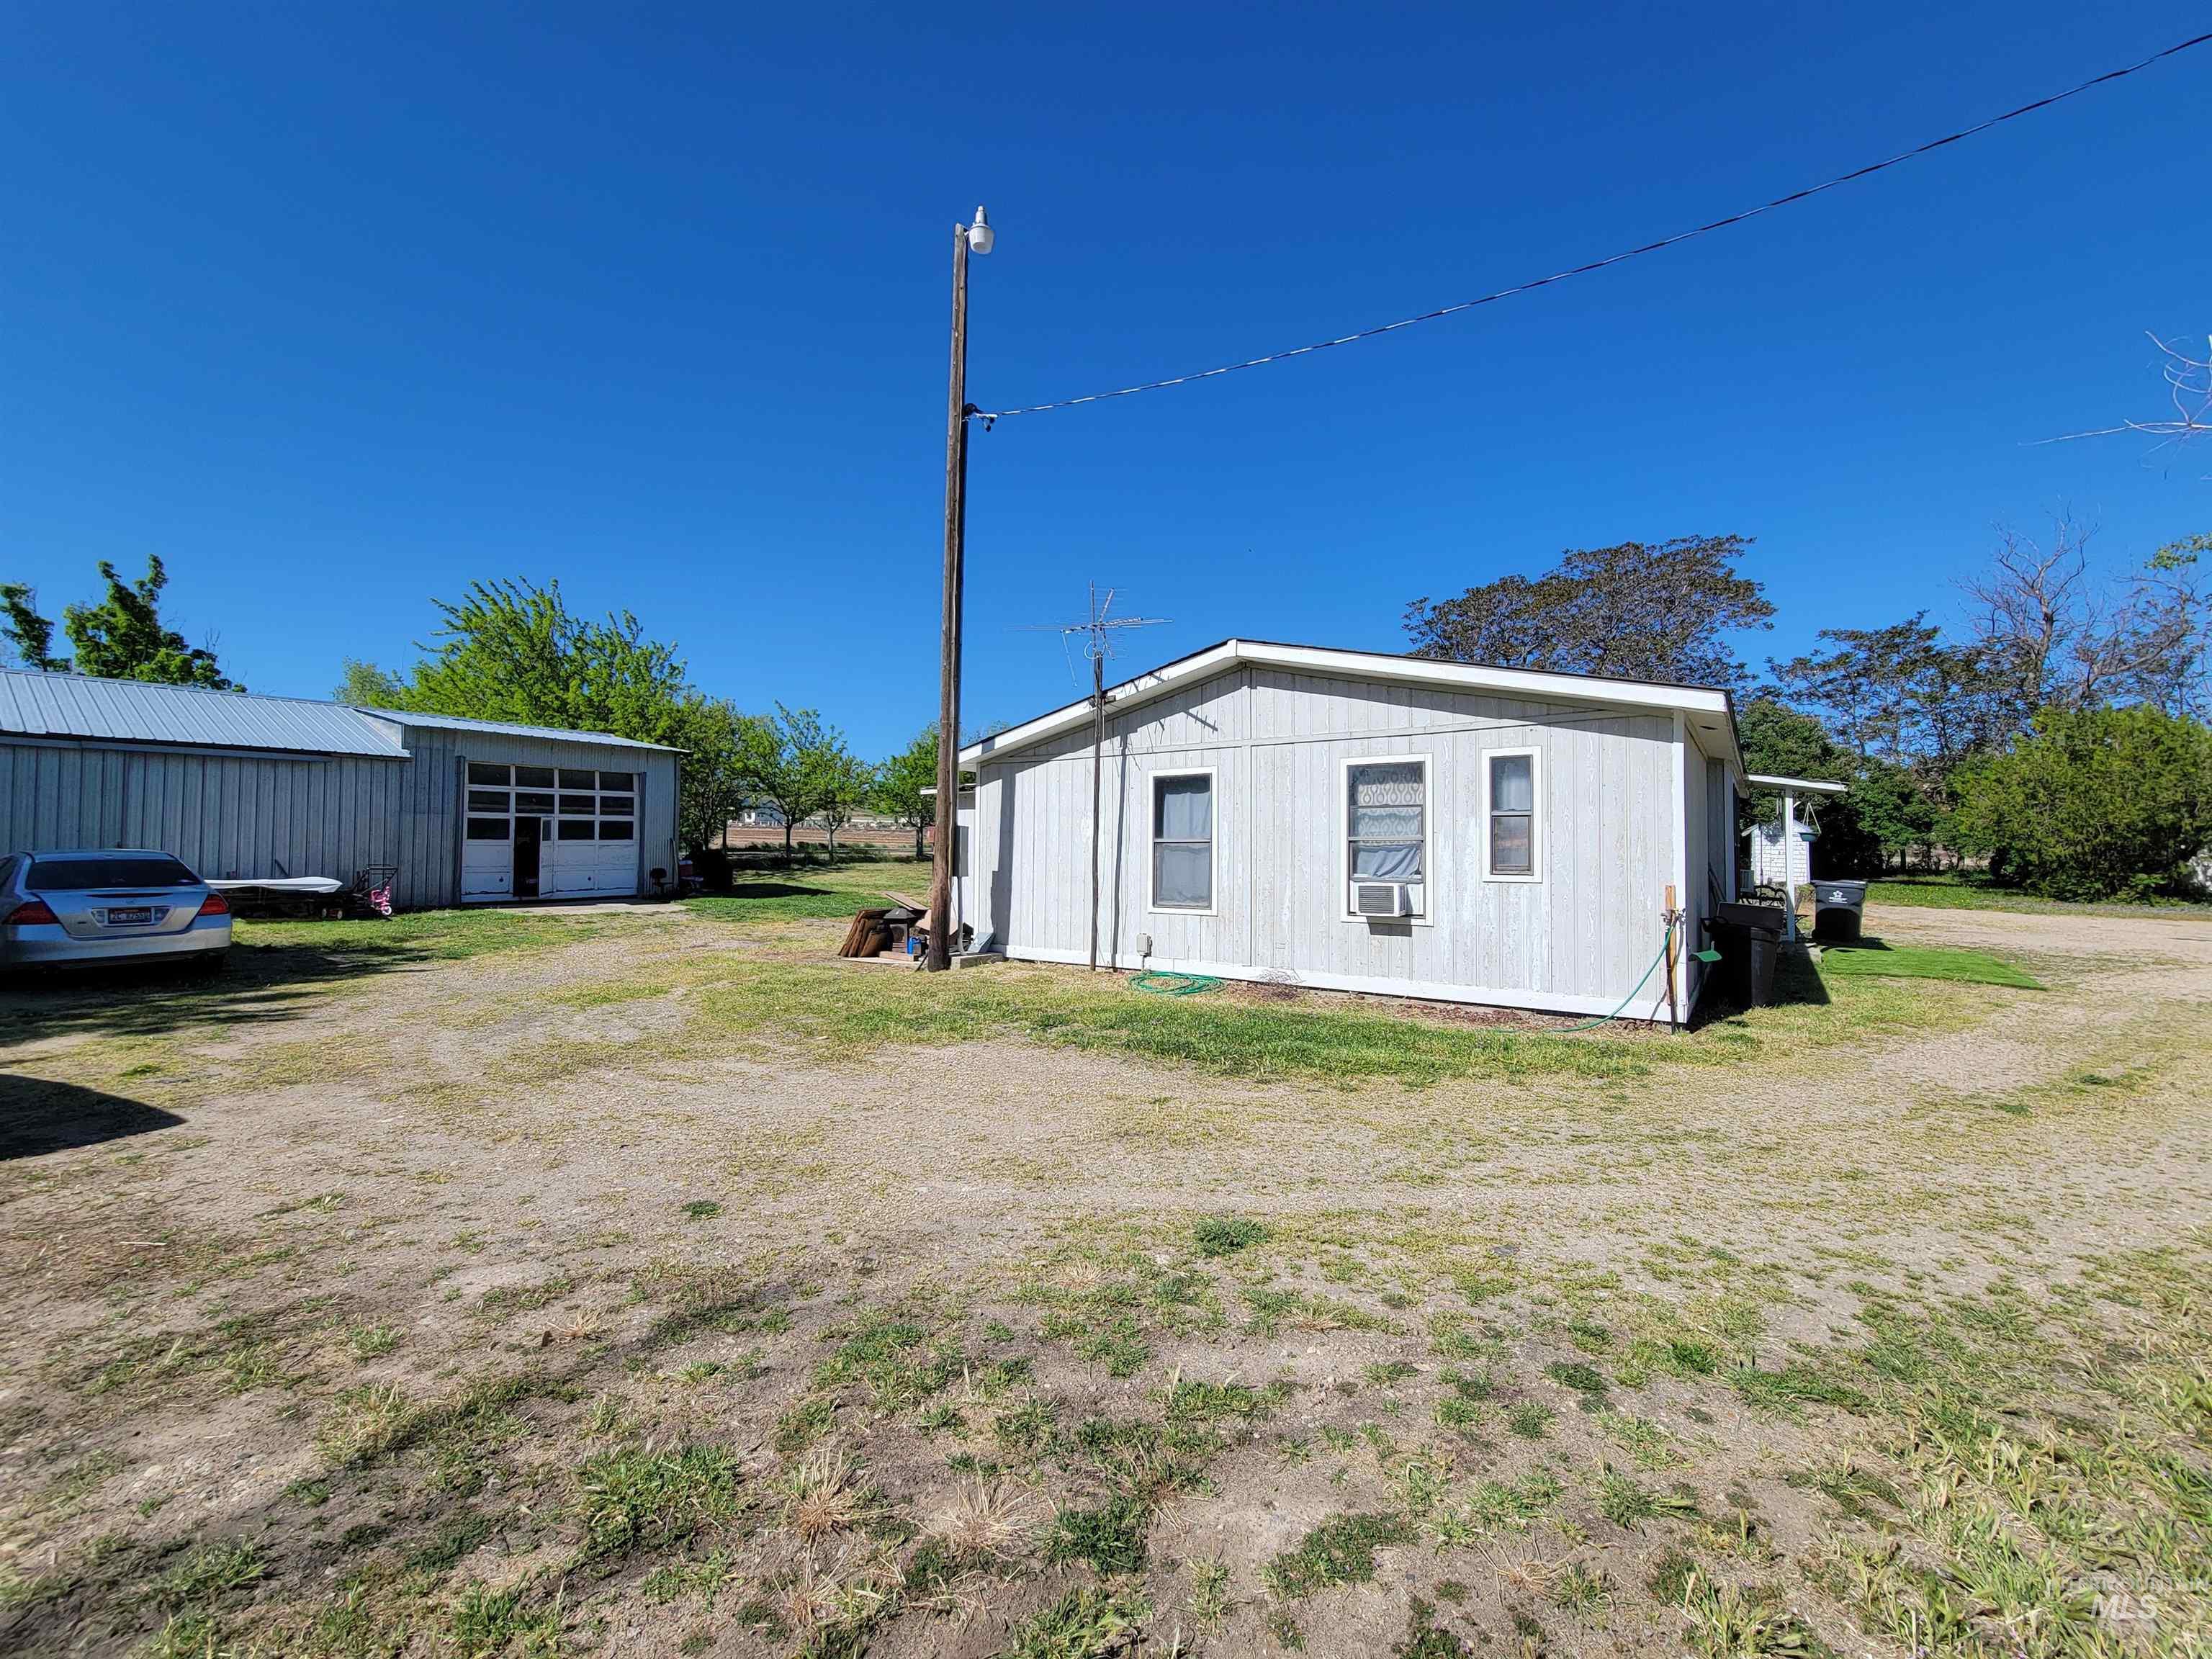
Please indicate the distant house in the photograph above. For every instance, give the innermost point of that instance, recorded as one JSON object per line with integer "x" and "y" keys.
{"x": 466, "y": 811}
{"x": 1362, "y": 821}
{"x": 1781, "y": 853}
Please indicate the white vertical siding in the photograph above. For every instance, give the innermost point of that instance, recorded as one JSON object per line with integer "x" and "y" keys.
{"x": 1277, "y": 742}
{"x": 244, "y": 816}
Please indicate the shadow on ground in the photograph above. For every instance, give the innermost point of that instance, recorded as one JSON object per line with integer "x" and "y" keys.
{"x": 259, "y": 984}
{"x": 37, "y": 1117}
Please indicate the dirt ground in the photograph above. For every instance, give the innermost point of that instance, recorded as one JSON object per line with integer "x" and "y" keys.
{"x": 521, "y": 1302}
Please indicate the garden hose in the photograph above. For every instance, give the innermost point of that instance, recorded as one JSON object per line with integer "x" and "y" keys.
{"x": 1175, "y": 985}
{"x": 1665, "y": 940}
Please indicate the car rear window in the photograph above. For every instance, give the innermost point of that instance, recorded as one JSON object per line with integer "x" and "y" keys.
{"x": 74, "y": 875}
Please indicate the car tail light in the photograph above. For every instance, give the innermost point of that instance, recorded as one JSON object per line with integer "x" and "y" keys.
{"x": 33, "y": 912}
{"x": 215, "y": 904}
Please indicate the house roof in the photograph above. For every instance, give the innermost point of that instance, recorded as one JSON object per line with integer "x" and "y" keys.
{"x": 1796, "y": 786}
{"x": 137, "y": 711}
{"x": 1709, "y": 709}
{"x": 508, "y": 728}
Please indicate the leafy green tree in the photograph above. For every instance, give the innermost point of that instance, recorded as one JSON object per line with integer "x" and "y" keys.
{"x": 364, "y": 685}
{"x": 844, "y": 782}
{"x": 31, "y": 635}
{"x": 1781, "y": 741}
{"x": 901, "y": 781}
{"x": 782, "y": 759}
{"x": 1639, "y": 611}
{"x": 2093, "y": 803}
{"x": 511, "y": 651}
{"x": 707, "y": 729}
{"x": 122, "y": 637}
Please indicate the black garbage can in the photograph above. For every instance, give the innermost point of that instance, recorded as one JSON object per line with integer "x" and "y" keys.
{"x": 1839, "y": 909}
{"x": 1749, "y": 940}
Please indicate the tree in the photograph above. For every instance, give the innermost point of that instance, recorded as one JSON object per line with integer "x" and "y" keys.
{"x": 1633, "y": 611}
{"x": 2052, "y": 634}
{"x": 707, "y": 731}
{"x": 121, "y": 638}
{"x": 780, "y": 760}
{"x": 2092, "y": 803}
{"x": 364, "y": 685}
{"x": 511, "y": 651}
{"x": 901, "y": 781}
{"x": 30, "y": 634}
{"x": 1781, "y": 741}
{"x": 844, "y": 782}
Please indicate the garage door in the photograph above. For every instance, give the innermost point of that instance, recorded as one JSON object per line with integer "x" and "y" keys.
{"x": 590, "y": 843}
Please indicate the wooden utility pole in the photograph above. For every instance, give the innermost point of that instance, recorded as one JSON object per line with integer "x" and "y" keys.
{"x": 948, "y": 693}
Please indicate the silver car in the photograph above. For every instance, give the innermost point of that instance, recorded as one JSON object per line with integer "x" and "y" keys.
{"x": 111, "y": 907}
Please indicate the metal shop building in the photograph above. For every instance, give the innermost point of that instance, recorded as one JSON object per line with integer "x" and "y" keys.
{"x": 251, "y": 787}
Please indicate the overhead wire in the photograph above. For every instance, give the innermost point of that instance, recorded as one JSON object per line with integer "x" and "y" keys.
{"x": 988, "y": 415}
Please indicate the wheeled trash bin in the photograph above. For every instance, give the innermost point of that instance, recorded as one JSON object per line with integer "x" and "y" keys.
{"x": 1749, "y": 939}
{"x": 1839, "y": 907}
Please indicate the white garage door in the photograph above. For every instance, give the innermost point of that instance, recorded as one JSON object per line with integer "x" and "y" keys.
{"x": 589, "y": 840}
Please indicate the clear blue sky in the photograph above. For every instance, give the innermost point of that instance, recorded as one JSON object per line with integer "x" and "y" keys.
{"x": 337, "y": 308}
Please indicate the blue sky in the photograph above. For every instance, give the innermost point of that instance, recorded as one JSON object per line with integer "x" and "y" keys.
{"x": 336, "y": 309}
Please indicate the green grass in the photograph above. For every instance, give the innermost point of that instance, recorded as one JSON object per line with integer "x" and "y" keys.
{"x": 633, "y": 1499}
{"x": 1878, "y": 960}
{"x": 811, "y": 892}
{"x": 1339, "y": 1551}
{"x": 1084, "y": 1624}
{"x": 422, "y": 935}
{"x": 1966, "y": 891}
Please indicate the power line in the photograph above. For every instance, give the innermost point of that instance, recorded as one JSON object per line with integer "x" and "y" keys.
{"x": 988, "y": 415}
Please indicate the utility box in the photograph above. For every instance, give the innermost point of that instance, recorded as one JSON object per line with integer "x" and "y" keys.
{"x": 1839, "y": 911}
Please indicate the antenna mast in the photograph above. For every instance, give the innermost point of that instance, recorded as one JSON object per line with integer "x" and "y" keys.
{"x": 1098, "y": 631}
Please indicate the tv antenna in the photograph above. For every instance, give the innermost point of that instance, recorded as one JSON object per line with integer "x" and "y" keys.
{"x": 1098, "y": 634}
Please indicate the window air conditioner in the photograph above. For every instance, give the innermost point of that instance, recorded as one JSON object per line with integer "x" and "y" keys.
{"x": 1381, "y": 898}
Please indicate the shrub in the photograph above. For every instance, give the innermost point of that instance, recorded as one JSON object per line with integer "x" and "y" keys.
{"x": 2093, "y": 804}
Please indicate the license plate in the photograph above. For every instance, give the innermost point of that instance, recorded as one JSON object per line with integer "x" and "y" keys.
{"x": 138, "y": 917}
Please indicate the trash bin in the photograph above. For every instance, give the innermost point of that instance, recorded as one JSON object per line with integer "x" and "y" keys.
{"x": 1838, "y": 908}
{"x": 1749, "y": 940}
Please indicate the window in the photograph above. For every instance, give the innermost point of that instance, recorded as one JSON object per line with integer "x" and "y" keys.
{"x": 1509, "y": 831}
{"x": 618, "y": 807}
{"x": 1182, "y": 841}
{"x": 576, "y": 807}
{"x": 487, "y": 800}
{"x": 487, "y": 829}
{"x": 480, "y": 772}
{"x": 571, "y": 779}
{"x": 1387, "y": 824}
{"x": 527, "y": 801}
{"x": 533, "y": 777}
{"x": 614, "y": 829}
{"x": 620, "y": 782}
{"x": 575, "y": 829}
{"x": 62, "y": 875}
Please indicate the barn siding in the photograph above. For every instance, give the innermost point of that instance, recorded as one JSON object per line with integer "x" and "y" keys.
{"x": 244, "y": 816}
{"x": 1277, "y": 740}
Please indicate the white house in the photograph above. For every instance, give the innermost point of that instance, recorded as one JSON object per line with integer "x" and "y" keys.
{"x": 1356, "y": 820}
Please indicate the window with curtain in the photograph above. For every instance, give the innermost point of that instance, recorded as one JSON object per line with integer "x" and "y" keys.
{"x": 1512, "y": 815}
{"x": 1182, "y": 843}
{"x": 1387, "y": 821}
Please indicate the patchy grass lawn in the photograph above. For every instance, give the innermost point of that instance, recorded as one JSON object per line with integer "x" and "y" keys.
{"x": 1966, "y": 891}
{"x": 642, "y": 1281}
{"x": 1875, "y": 959}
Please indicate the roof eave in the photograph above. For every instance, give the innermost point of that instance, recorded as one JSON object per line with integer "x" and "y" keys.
{"x": 1536, "y": 684}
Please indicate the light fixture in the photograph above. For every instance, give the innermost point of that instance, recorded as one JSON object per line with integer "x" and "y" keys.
{"x": 980, "y": 234}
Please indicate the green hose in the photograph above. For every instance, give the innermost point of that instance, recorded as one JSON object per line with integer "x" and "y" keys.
{"x": 1592, "y": 1024}
{"x": 1174, "y": 985}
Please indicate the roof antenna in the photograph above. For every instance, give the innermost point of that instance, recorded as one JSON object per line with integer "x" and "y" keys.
{"x": 1098, "y": 645}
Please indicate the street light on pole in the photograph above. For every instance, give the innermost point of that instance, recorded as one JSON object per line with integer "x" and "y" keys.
{"x": 979, "y": 237}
